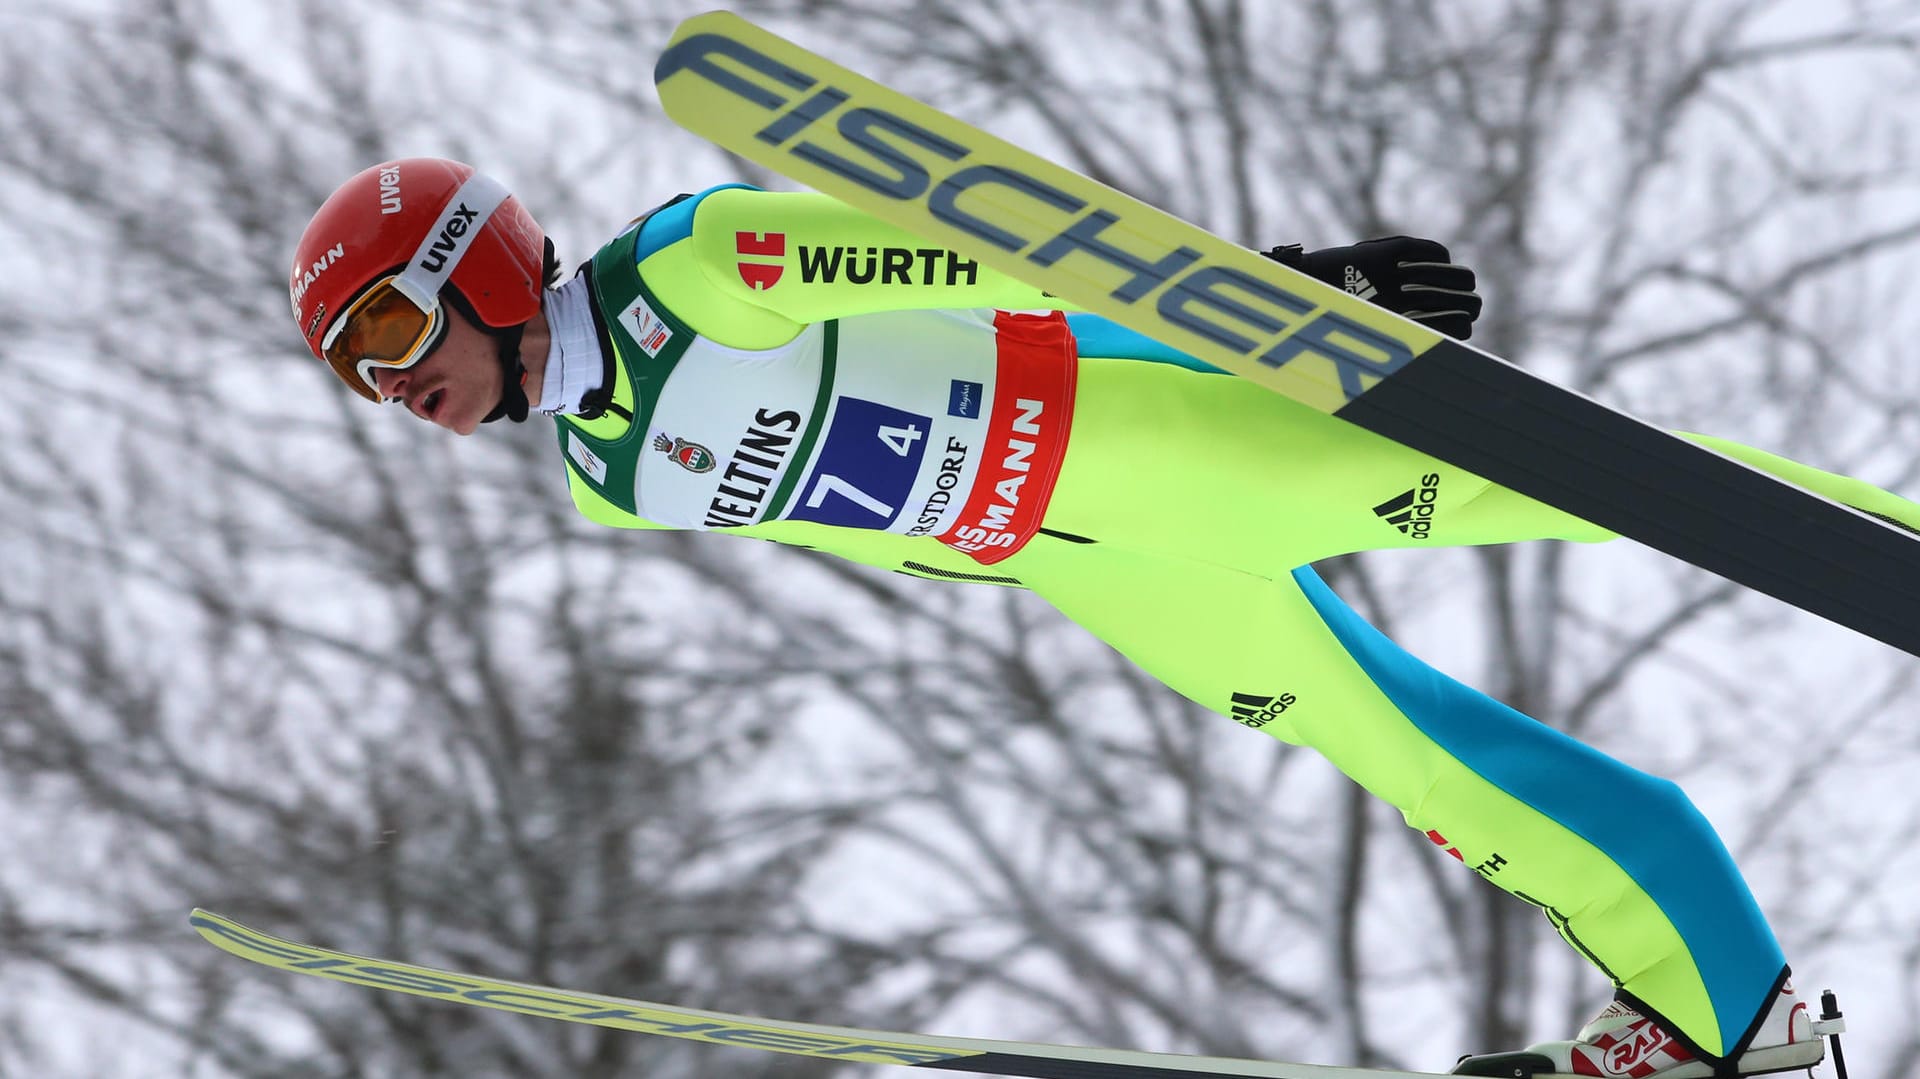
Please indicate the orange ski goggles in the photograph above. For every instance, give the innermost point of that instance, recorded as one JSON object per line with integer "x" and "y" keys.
{"x": 386, "y": 327}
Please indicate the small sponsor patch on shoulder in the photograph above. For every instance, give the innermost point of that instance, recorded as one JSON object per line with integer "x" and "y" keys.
{"x": 647, "y": 328}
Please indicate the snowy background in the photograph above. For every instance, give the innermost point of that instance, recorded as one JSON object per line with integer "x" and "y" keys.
{"x": 270, "y": 650}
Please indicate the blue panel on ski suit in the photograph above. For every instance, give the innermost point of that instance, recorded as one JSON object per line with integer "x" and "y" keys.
{"x": 1684, "y": 867}
{"x": 1104, "y": 337}
{"x": 673, "y": 222}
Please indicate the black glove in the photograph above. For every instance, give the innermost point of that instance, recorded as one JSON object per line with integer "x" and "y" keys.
{"x": 1407, "y": 276}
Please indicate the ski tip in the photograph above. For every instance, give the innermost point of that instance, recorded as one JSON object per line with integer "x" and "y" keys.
{"x": 202, "y": 918}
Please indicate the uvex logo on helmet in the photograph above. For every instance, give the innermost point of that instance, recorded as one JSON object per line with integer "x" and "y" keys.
{"x": 448, "y": 241}
{"x": 390, "y": 189}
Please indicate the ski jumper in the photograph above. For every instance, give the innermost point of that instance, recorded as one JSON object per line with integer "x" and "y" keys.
{"x": 784, "y": 367}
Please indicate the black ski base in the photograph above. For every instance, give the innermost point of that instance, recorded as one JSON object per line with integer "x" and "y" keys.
{"x": 1491, "y": 418}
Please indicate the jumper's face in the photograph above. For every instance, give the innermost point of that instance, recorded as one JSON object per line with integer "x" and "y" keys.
{"x": 456, "y": 384}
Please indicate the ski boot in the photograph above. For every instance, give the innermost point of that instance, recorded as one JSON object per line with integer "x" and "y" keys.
{"x": 1621, "y": 1043}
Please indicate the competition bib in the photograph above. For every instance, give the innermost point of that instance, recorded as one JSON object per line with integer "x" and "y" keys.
{"x": 950, "y": 424}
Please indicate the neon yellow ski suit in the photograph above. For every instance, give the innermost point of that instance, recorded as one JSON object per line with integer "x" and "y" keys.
{"x": 1184, "y": 513}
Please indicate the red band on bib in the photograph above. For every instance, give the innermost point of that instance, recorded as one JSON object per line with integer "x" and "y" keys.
{"x": 1026, "y": 437}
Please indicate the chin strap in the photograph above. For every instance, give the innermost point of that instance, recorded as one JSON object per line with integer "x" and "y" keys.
{"x": 513, "y": 389}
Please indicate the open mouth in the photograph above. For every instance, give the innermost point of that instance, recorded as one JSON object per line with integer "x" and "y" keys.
{"x": 430, "y": 405}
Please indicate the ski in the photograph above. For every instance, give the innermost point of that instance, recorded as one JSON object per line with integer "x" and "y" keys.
{"x": 851, "y": 1044}
{"x": 803, "y": 116}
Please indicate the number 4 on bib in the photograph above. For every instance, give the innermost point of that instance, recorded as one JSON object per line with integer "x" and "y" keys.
{"x": 901, "y": 439}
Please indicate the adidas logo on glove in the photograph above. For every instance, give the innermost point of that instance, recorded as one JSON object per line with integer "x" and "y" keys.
{"x": 1355, "y": 282}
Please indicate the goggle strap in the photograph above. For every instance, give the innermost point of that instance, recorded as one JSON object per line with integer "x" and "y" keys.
{"x": 448, "y": 241}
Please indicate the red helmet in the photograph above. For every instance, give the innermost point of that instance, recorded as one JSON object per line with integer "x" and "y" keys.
{"x": 383, "y": 247}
